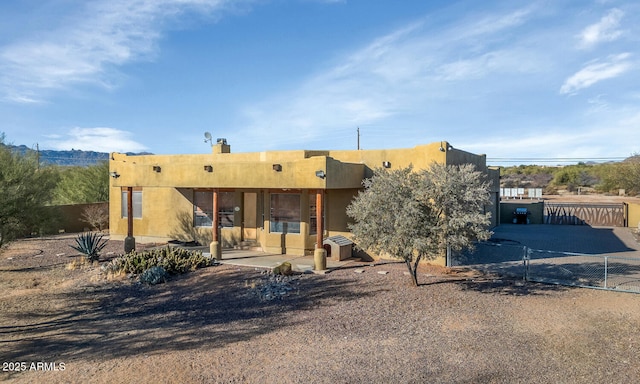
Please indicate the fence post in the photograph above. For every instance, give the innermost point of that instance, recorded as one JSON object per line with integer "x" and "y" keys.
{"x": 606, "y": 267}
{"x": 525, "y": 260}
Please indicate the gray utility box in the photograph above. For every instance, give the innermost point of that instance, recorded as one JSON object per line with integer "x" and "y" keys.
{"x": 338, "y": 247}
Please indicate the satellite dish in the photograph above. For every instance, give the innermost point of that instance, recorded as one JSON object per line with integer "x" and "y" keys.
{"x": 208, "y": 138}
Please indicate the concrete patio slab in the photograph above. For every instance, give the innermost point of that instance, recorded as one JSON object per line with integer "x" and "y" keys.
{"x": 258, "y": 259}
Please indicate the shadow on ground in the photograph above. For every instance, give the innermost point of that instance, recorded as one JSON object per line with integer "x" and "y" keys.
{"x": 208, "y": 308}
{"x": 511, "y": 287}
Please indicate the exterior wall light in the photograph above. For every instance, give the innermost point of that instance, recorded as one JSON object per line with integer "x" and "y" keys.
{"x": 277, "y": 167}
{"x": 114, "y": 174}
{"x": 156, "y": 168}
{"x": 442, "y": 148}
{"x": 208, "y": 168}
{"x": 386, "y": 164}
{"x": 321, "y": 174}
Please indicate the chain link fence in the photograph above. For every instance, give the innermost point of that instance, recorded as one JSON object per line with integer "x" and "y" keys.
{"x": 581, "y": 270}
{"x": 507, "y": 258}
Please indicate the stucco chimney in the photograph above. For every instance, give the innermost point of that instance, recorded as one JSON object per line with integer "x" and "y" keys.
{"x": 221, "y": 147}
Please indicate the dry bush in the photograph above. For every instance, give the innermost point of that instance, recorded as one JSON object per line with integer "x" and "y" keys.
{"x": 81, "y": 263}
{"x": 97, "y": 216}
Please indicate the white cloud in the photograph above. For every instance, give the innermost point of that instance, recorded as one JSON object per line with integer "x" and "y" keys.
{"x": 619, "y": 138}
{"x": 484, "y": 64}
{"x": 100, "y": 139}
{"x": 495, "y": 23}
{"x": 603, "y": 31}
{"x": 594, "y": 72}
{"x": 88, "y": 45}
{"x": 598, "y": 104}
{"x": 402, "y": 71}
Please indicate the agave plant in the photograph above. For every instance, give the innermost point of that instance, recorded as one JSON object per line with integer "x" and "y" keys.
{"x": 90, "y": 244}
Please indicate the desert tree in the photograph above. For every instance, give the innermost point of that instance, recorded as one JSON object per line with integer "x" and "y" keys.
{"x": 628, "y": 175}
{"x": 621, "y": 175}
{"x": 25, "y": 190}
{"x": 418, "y": 215}
{"x": 80, "y": 185}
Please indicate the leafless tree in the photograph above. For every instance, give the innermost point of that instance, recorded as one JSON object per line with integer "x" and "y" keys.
{"x": 96, "y": 215}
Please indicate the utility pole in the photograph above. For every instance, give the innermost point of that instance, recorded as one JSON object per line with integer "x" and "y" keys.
{"x": 358, "y": 138}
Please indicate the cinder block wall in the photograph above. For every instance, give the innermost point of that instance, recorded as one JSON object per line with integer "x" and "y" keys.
{"x": 68, "y": 218}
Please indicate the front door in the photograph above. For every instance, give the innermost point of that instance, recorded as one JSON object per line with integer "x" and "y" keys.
{"x": 249, "y": 220}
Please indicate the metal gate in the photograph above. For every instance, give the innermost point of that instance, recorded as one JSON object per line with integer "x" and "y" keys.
{"x": 610, "y": 215}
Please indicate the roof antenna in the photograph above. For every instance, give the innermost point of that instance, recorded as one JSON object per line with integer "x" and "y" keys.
{"x": 208, "y": 138}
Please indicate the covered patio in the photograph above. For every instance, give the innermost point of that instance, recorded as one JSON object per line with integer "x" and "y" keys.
{"x": 257, "y": 259}
{"x": 267, "y": 260}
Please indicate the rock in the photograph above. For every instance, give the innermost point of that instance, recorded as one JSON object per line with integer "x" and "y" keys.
{"x": 283, "y": 269}
{"x": 359, "y": 271}
{"x": 383, "y": 272}
{"x": 271, "y": 287}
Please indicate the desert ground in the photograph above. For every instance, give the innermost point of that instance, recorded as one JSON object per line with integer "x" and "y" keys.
{"x": 364, "y": 323}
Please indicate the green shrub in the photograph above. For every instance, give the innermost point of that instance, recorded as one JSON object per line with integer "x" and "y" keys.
{"x": 172, "y": 260}
{"x": 154, "y": 275}
{"x": 90, "y": 244}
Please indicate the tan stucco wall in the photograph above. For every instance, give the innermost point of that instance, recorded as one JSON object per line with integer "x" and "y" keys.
{"x": 633, "y": 215}
{"x": 167, "y": 202}
{"x": 188, "y": 171}
{"x": 162, "y": 209}
{"x": 420, "y": 157}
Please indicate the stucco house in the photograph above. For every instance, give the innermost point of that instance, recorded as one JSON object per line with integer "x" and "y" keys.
{"x": 278, "y": 201}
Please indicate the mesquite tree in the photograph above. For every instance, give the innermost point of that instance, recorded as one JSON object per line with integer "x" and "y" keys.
{"x": 25, "y": 188}
{"x": 416, "y": 215}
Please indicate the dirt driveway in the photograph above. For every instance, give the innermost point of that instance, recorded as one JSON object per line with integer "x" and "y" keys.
{"x": 364, "y": 324}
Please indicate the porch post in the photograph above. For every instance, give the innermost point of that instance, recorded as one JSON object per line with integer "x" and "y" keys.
{"x": 214, "y": 247}
{"x": 319, "y": 254}
{"x": 129, "y": 241}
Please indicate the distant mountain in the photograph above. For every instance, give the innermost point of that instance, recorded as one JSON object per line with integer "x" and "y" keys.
{"x": 74, "y": 157}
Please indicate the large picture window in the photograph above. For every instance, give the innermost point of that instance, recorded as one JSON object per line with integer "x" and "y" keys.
{"x": 137, "y": 203}
{"x": 203, "y": 208}
{"x": 285, "y": 213}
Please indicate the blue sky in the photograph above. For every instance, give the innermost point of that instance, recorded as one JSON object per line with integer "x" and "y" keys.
{"x": 510, "y": 79}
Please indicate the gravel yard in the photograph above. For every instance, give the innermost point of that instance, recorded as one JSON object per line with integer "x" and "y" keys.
{"x": 353, "y": 325}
